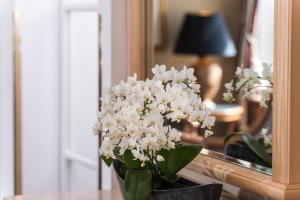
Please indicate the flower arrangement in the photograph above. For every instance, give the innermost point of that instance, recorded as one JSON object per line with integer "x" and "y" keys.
{"x": 136, "y": 121}
{"x": 249, "y": 83}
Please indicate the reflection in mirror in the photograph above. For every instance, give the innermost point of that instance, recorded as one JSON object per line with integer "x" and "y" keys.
{"x": 215, "y": 37}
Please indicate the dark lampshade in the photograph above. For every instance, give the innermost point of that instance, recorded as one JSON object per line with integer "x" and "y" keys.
{"x": 205, "y": 35}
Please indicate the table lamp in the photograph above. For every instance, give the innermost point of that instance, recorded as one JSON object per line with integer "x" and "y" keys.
{"x": 206, "y": 36}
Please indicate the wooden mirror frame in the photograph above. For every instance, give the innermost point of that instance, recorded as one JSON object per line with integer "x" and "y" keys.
{"x": 285, "y": 180}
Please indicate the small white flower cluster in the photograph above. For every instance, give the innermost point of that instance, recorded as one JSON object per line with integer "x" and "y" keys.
{"x": 266, "y": 137}
{"x": 248, "y": 83}
{"x": 137, "y": 115}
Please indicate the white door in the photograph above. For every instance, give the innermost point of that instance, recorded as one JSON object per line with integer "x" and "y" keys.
{"x": 79, "y": 95}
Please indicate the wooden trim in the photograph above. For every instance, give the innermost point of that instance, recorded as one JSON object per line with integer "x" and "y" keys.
{"x": 286, "y": 122}
{"x": 285, "y": 181}
{"x": 242, "y": 177}
{"x": 149, "y": 47}
{"x": 282, "y": 88}
{"x": 17, "y": 105}
{"x": 135, "y": 31}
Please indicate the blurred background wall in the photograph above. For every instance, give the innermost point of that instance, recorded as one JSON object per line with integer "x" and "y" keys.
{"x": 60, "y": 85}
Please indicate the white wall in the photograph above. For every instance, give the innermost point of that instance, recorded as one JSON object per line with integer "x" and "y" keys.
{"x": 6, "y": 100}
{"x": 40, "y": 58}
{"x": 54, "y": 89}
{"x": 41, "y": 89}
{"x": 263, "y": 34}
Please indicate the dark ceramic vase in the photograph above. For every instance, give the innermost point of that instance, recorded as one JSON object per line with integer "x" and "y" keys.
{"x": 241, "y": 151}
{"x": 191, "y": 191}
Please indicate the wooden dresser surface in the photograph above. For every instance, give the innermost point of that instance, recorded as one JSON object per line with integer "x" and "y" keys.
{"x": 101, "y": 195}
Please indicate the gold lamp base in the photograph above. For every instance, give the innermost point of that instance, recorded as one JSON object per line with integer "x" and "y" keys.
{"x": 209, "y": 76}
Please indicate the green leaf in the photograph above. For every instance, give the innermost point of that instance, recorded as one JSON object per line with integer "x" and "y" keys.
{"x": 253, "y": 144}
{"x": 117, "y": 155}
{"x": 137, "y": 184}
{"x": 228, "y": 137}
{"x": 120, "y": 168}
{"x": 178, "y": 158}
{"x": 170, "y": 178}
{"x": 107, "y": 161}
{"x": 257, "y": 148}
{"x": 261, "y": 141}
{"x": 130, "y": 161}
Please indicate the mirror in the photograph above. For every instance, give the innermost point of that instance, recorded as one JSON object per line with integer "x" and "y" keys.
{"x": 216, "y": 37}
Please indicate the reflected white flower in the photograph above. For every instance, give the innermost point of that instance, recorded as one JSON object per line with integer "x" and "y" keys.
{"x": 239, "y": 71}
{"x": 229, "y": 86}
{"x": 267, "y": 72}
{"x": 250, "y": 74}
{"x": 228, "y": 96}
{"x": 266, "y": 96}
{"x": 249, "y": 83}
{"x": 208, "y": 133}
{"x": 266, "y": 137}
{"x": 264, "y": 131}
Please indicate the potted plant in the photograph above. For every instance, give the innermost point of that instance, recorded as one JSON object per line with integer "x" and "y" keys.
{"x": 136, "y": 122}
{"x": 255, "y": 150}
{"x": 247, "y": 83}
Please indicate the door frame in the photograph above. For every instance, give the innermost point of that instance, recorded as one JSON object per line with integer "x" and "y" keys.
{"x": 6, "y": 99}
{"x": 67, "y": 156}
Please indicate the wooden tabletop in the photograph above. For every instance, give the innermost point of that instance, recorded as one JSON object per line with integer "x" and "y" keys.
{"x": 100, "y": 195}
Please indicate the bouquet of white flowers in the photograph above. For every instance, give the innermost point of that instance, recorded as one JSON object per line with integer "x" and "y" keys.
{"x": 249, "y": 83}
{"x": 136, "y": 121}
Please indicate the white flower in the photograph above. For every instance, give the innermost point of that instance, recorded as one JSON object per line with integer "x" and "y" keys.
{"x": 249, "y": 74}
{"x": 229, "y": 86}
{"x": 208, "y": 133}
{"x": 266, "y": 96}
{"x": 139, "y": 155}
{"x": 197, "y": 116}
{"x": 239, "y": 71}
{"x": 228, "y": 96}
{"x": 264, "y": 131}
{"x": 250, "y": 83}
{"x": 267, "y": 137}
{"x": 267, "y": 72}
{"x": 136, "y": 115}
{"x": 240, "y": 83}
{"x": 159, "y": 158}
{"x": 97, "y": 128}
{"x": 106, "y": 149}
{"x": 159, "y": 69}
{"x": 208, "y": 122}
{"x": 174, "y": 135}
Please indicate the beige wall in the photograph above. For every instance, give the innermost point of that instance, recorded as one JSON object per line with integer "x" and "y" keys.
{"x": 175, "y": 11}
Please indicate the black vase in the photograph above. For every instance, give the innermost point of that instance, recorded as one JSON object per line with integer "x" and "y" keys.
{"x": 241, "y": 151}
{"x": 192, "y": 191}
